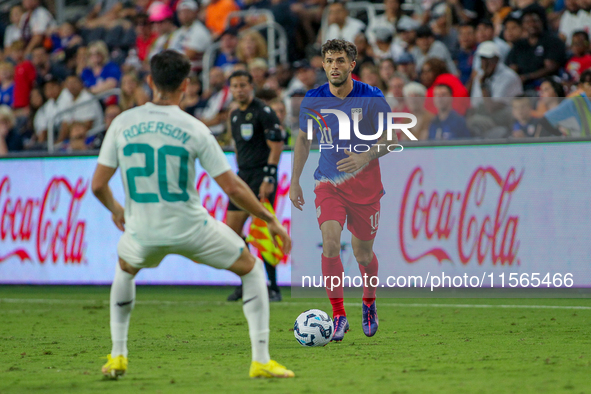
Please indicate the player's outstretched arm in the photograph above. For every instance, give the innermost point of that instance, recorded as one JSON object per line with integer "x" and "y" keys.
{"x": 241, "y": 195}
{"x": 102, "y": 191}
{"x": 300, "y": 155}
{"x": 355, "y": 161}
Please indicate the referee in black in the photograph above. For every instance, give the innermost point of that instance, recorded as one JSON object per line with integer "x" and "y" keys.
{"x": 259, "y": 142}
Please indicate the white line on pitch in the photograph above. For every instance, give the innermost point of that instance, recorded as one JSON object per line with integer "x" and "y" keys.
{"x": 204, "y": 302}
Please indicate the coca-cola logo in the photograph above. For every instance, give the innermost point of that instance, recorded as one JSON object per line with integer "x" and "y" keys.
{"x": 47, "y": 227}
{"x": 466, "y": 218}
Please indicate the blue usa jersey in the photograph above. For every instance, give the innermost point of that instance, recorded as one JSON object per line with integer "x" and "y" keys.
{"x": 363, "y": 186}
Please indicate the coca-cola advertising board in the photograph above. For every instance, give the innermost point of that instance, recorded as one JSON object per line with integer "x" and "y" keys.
{"x": 54, "y": 231}
{"x": 493, "y": 213}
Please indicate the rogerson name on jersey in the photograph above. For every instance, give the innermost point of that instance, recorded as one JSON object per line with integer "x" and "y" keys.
{"x": 156, "y": 127}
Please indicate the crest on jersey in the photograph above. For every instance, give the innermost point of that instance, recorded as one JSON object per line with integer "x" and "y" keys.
{"x": 246, "y": 130}
{"x": 248, "y": 116}
{"x": 356, "y": 111}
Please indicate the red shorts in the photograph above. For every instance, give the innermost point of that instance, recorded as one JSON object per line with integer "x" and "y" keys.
{"x": 362, "y": 220}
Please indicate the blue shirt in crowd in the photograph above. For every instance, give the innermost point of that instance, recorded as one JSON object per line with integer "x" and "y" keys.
{"x": 452, "y": 128}
{"x": 110, "y": 70}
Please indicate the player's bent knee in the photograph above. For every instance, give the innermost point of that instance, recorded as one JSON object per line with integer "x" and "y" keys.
{"x": 364, "y": 258}
{"x": 125, "y": 266}
{"x": 244, "y": 264}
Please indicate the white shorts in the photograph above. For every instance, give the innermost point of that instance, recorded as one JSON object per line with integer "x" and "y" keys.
{"x": 216, "y": 245}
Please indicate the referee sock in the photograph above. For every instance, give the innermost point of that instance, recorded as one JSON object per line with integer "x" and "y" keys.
{"x": 369, "y": 292}
{"x": 122, "y": 302}
{"x": 332, "y": 266}
{"x": 255, "y": 305}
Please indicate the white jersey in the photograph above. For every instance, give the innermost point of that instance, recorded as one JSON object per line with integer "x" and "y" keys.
{"x": 156, "y": 146}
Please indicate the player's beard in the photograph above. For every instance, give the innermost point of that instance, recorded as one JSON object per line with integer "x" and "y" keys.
{"x": 339, "y": 83}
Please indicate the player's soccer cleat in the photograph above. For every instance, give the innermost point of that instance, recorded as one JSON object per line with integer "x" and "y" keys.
{"x": 270, "y": 370}
{"x": 341, "y": 326}
{"x": 236, "y": 295}
{"x": 370, "y": 319}
{"x": 115, "y": 367}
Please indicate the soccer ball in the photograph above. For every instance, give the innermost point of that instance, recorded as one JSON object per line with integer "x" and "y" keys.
{"x": 313, "y": 328}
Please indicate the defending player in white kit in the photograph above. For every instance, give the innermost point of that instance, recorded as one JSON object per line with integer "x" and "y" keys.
{"x": 156, "y": 146}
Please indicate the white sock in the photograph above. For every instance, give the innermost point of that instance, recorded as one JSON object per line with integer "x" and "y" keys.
{"x": 255, "y": 298}
{"x": 122, "y": 302}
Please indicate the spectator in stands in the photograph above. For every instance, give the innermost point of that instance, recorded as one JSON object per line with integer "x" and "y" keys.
{"x": 89, "y": 110}
{"x": 76, "y": 141}
{"x": 101, "y": 74}
{"x": 499, "y": 11}
{"x": 304, "y": 78}
{"x": 47, "y": 112}
{"x": 216, "y": 16}
{"x": 13, "y": 32}
{"x": 447, "y": 123}
{"x": 215, "y": 112}
{"x": 581, "y": 59}
{"x": 192, "y": 97}
{"x": 395, "y": 93}
{"x": 24, "y": 78}
{"x": 370, "y": 74}
{"x": 569, "y": 21}
{"x": 132, "y": 94}
{"x": 405, "y": 65}
{"x": 387, "y": 69}
{"x": 539, "y": 55}
{"x": 145, "y": 36}
{"x": 340, "y": 24}
{"x": 251, "y": 45}
{"x": 103, "y": 13}
{"x": 259, "y": 71}
{"x": 279, "y": 107}
{"x": 227, "y": 55}
{"x": 363, "y": 54}
{"x": 551, "y": 95}
{"x": 6, "y": 84}
{"x": 573, "y": 116}
{"x": 10, "y": 139}
{"x": 95, "y": 141}
{"x": 384, "y": 46}
{"x": 192, "y": 38}
{"x": 389, "y": 19}
{"x": 584, "y": 15}
{"x": 525, "y": 124}
{"x": 45, "y": 69}
{"x": 65, "y": 37}
{"x": 512, "y": 30}
{"x": 407, "y": 34}
{"x": 485, "y": 31}
{"x": 161, "y": 17}
{"x": 414, "y": 98}
{"x": 35, "y": 23}
{"x": 434, "y": 72}
{"x": 465, "y": 54}
{"x": 441, "y": 25}
{"x": 495, "y": 79}
{"x": 427, "y": 47}
{"x": 530, "y": 6}
{"x": 27, "y": 127}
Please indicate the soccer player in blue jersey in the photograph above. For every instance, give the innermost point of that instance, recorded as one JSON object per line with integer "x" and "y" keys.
{"x": 348, "y": 184}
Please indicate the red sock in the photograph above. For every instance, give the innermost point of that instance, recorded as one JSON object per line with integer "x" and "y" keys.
{"x": 369, "y": 292}
{"x": 332, "y": 266}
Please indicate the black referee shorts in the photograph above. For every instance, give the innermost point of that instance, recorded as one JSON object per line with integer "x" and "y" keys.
{"x": 253, "y": 178}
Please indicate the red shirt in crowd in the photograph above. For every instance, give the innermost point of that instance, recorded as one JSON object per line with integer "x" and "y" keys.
{"x": 24, "y": 78}
{"x": 457, "y": 89}
{"x": 576, "y": 66}
{"x": 143, "y": 45}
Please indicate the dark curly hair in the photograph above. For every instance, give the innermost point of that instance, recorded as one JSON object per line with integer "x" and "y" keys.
{"x": 338, "y": 45}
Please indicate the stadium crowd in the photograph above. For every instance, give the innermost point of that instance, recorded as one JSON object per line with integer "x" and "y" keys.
{"x": 468, "y": 69}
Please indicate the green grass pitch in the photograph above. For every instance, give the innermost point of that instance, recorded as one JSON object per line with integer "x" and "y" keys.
{"x": 189, "y": 340}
